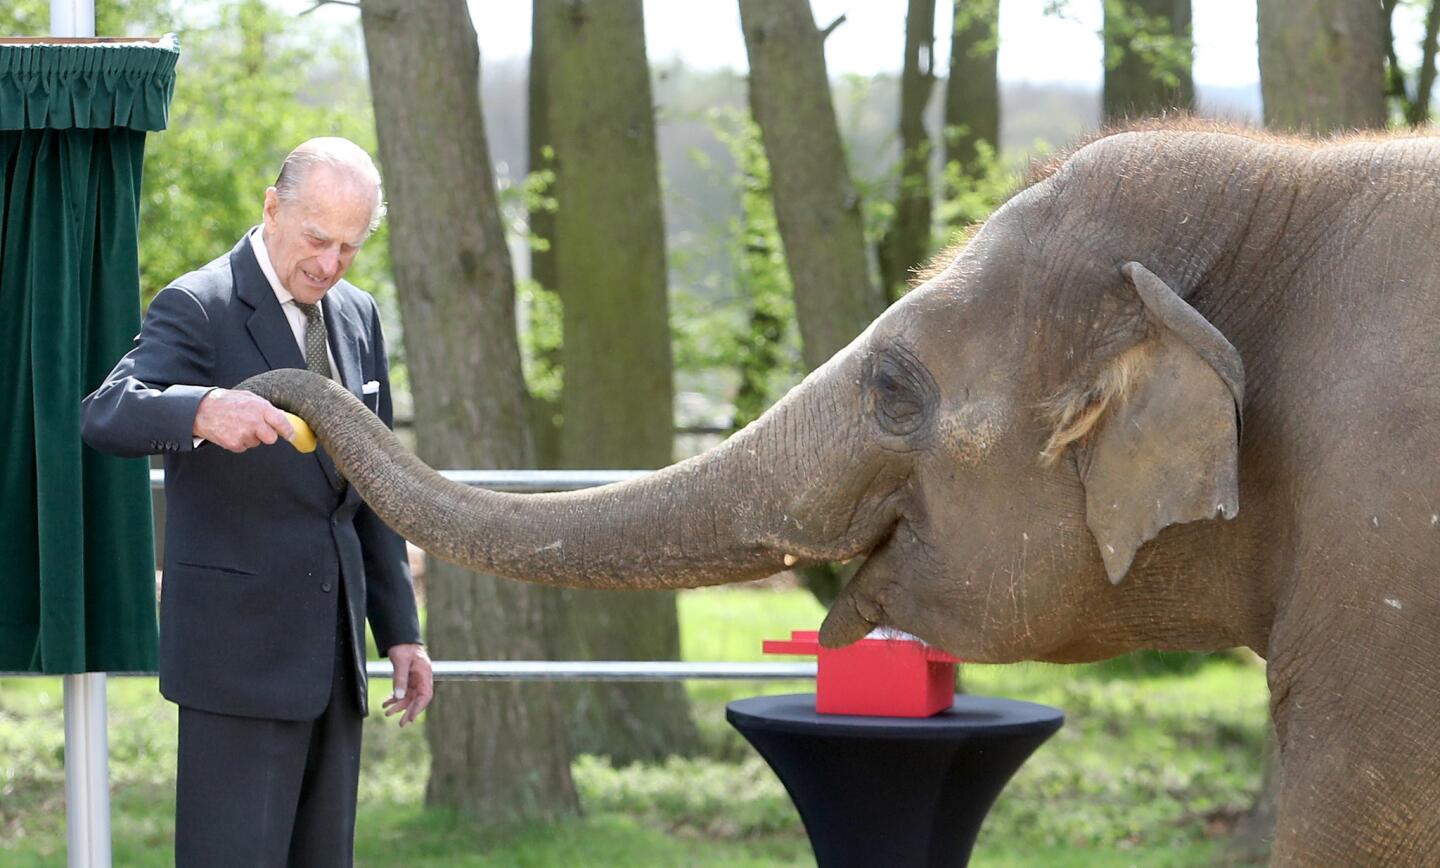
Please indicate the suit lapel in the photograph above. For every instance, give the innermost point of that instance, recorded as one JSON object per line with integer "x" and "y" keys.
{"x": 267, "y": 323}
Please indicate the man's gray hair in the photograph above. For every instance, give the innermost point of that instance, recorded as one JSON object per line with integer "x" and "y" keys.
{"x": 337, "y": 153}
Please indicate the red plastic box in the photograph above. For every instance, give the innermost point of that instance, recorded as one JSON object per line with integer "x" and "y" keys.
{"x": 876, "y": 677}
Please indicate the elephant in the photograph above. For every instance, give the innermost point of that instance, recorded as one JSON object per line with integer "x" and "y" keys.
{"x": 1043, "y": 449}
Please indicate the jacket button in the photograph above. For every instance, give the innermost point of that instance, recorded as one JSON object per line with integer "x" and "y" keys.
{"x": 326, "y": 586}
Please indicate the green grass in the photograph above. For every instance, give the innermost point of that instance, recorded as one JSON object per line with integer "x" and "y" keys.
{"x": 1157, "y": 757}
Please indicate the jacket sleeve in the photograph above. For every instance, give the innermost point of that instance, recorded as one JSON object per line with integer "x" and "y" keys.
{"x": 147, "y": 404}
{"x": 389, "y": 589}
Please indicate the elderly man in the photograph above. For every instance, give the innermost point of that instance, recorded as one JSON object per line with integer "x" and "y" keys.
{"x": 272, "y": 563}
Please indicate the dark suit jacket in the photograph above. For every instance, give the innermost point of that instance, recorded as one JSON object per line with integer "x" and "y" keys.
{"x": 256, "y": 543}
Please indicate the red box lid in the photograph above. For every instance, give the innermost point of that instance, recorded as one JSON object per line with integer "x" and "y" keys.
{"x": 808, "y": 642}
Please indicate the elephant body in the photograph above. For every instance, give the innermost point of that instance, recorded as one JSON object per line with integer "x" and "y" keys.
{"x": 1180, "y": 392}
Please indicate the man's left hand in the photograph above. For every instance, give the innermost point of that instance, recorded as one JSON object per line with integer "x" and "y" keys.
{"x": 414, "y": 681}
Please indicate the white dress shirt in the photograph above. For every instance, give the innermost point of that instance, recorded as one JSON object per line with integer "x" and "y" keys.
{"x": 294, "y": 314}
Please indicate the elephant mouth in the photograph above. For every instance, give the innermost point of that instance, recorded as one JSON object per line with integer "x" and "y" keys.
{"x": 880, "y": 600}
{"x": 858, "y": 611}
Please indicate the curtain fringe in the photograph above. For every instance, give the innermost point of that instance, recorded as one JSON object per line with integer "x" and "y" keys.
{"x": 99, "y": 86}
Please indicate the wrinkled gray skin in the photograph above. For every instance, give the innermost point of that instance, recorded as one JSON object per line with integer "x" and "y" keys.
{"x": 1280, "y": 303}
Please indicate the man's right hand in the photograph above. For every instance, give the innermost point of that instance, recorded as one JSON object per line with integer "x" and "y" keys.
{"x": 239, "y": 420}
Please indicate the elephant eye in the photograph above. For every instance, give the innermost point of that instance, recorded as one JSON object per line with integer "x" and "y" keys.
{"x": 901, "y": 393}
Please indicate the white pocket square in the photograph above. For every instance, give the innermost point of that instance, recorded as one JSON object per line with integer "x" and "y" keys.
{"x": 370, "y": 388}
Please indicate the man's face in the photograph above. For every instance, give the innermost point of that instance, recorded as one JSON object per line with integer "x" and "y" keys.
{"x": 313, "y": 238}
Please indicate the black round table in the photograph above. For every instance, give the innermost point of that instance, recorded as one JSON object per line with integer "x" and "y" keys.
{"x": 893, "y": 791}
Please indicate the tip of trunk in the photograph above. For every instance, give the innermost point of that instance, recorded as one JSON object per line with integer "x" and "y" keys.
{"x": 844, "y": 623}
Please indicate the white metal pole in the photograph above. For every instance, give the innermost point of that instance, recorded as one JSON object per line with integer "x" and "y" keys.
{"x": 72, "y": 17}
{"x": 87, "y": 749}
{"x": 87, "y": 772}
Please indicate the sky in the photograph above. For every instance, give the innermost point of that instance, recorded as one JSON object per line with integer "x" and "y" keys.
{"x": 1034, "y": 46}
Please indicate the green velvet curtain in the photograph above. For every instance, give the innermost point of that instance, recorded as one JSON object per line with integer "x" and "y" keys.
{"x": 77, "y": 572}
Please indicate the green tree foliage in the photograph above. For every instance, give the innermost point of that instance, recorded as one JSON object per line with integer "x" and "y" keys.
{"x": 205, "y": 177}
{"x": 1148, "y": 55}
{"x": 973, "y": 190}
{"x": 906, "y": 240}
{"x": 540, "y": 339}
{"x": 1143, "y": 28}
{"x": 972, "y": 100}
{"x": 768, "y": 351}
{"x": 206, "y": 174}
{"x": 112, "y": 18}
{"x": 750, "y": 330}
{"x": 541, "y": 313}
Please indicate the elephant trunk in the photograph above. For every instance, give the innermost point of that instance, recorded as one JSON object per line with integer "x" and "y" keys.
{"x": 701, "y": 522}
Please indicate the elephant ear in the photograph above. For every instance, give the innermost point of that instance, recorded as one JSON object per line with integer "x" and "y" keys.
{"x": 1163, "y": 446}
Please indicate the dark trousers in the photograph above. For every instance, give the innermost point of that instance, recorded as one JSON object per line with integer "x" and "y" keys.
{"x": 258, "y": 792}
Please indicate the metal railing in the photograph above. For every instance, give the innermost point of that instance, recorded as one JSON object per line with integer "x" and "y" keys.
{"x": 564, "y": 670}
{"x": 526, "y": 481}
{"x": 604, "y": 670}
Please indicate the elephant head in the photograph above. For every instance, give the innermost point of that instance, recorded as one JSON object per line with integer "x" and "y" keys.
{"x": 998, "y": 445}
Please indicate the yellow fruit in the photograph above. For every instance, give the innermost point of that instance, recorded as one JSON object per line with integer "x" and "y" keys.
{"x": 304, "y": 439}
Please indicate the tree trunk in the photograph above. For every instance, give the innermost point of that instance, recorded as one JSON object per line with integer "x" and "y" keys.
{"x": 1148, "y": 57}
{"x": 816, "y": 204}
{"x": 1419, "y": 114}
{"x": 497, "y": 750}
{"x": 1394, "y": 75}
{"x": 907, "y": 240}
{"x": 609, "y": 258}
{"x": 1322, "y": 64}
{"x": 972, "y": 91}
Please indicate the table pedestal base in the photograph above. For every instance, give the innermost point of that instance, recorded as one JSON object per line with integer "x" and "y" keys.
{"x": 876, "y": 791}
